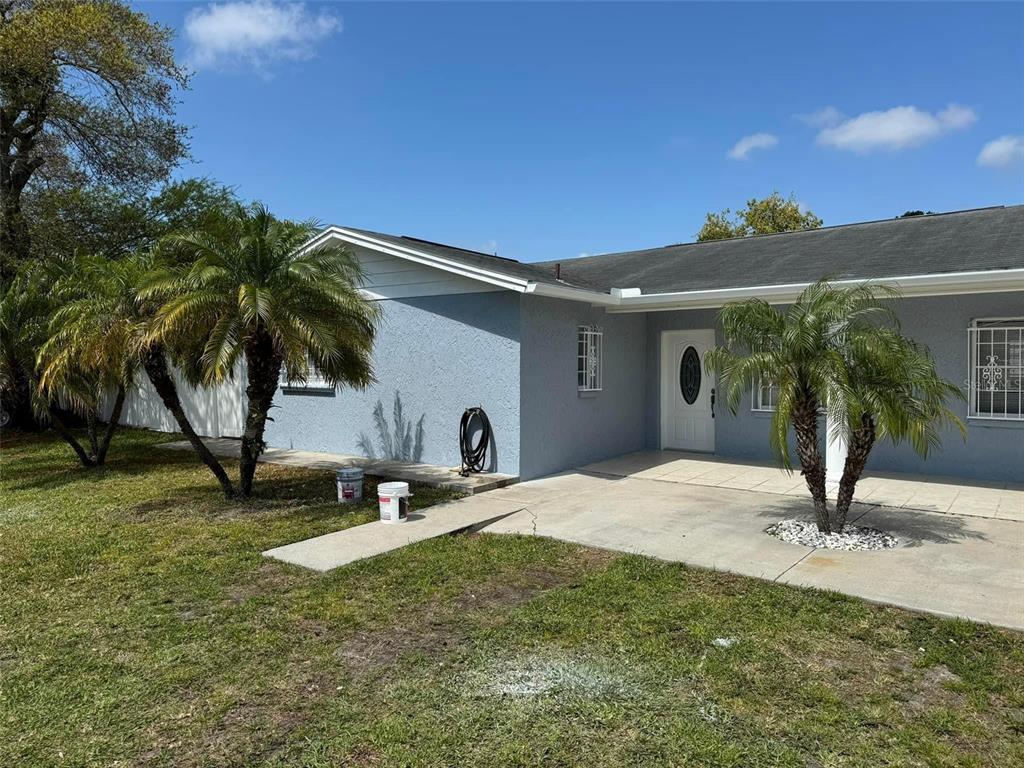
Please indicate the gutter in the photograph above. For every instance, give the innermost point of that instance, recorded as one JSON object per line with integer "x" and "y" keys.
{"x": 985, "y": 281}
{"x": 594, "y": 298}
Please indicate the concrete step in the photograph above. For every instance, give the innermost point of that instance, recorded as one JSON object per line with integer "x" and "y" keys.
{"x": 427, "y": 474}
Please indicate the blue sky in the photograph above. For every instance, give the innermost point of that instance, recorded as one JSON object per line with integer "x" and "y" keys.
{"x": 550, "y": 130}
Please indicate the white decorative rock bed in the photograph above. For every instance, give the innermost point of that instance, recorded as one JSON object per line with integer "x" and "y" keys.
{"x": 853, "y": 537}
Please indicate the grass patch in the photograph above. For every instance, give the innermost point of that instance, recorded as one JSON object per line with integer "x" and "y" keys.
{"x": 139, "y": 625}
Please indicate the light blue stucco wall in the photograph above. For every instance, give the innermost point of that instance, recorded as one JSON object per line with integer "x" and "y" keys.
{"x": 993, "y": 451}
{"x": 516, "y": 356}
{"x": 441, "y": 354}
{"x": 562, "y": 427}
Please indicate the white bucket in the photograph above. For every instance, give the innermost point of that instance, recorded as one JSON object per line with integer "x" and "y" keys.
{"x": 350, "y": 484}
{"x": 394, "y": 502}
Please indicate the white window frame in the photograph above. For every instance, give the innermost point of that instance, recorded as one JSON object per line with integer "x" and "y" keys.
{"x": 985, "y": 375}
{"x": 589, "y": 358}
{"x": 313, "y": 381}
{"x": 757, "y": 397}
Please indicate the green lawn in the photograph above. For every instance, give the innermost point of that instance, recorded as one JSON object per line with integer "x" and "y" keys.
{"x": 140, "y": 626}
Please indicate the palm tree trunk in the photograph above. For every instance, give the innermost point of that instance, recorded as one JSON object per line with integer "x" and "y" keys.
{"x": 18, "y": 400}
{"x": 861, "y": 442}
{"x": 263, "y": 365}
{"x": 805, "y": 425}
{"x": 91, "y": 423}
{"x": 112, "y": 424}
{"x": 65, "y": 433}
{"x": 155, "y": 364}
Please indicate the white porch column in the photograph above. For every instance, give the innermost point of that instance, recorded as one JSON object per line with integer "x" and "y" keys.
{"x": 835, "y": 454}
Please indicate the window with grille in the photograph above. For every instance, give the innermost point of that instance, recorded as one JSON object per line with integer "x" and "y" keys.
{"x": 588, "y": 359}
{"x": 764, "y": 397}
{"x": 314, "y": 379}
{"x": 997, "y": 369}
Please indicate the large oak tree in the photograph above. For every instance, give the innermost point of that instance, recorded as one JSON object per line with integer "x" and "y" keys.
{"x": 87, "y": 95}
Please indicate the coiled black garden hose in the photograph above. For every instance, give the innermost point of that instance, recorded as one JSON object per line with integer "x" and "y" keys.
{"x": 474, "y": 456}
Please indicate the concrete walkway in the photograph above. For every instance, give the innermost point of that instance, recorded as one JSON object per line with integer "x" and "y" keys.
{"x": 961, "y": 550}
{"x": 948, "y": 564}
{"x": 1004, "y": 501}
{"x": 332, "y": 550}
{"x": 427, "y": 474}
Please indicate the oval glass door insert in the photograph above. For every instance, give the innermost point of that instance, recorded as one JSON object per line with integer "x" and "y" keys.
{"x": 689, "y": 375}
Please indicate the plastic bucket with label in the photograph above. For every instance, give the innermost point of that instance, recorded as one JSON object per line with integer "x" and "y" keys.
{"x": 350, "y": 484}
{"x": 394, "y": 502}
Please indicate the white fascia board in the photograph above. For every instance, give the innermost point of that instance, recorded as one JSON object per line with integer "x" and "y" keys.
{"x": 411, "y": 254}
{"x": 987, "y": 281}
{"x": 475, "y": 273}
{"x": 594, "y": 298}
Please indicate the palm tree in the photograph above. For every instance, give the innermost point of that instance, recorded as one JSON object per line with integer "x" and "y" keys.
{"x": 103, "y": 326}
{"x": 896, "y": 394}
{"x": 837, "y": 350}
{"x": 257, "y": 295}
{"x": 89, "y": 341}
{"x": 25, "y": 308}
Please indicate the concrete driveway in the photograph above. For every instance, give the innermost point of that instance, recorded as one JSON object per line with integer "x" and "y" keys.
{"x": 948, "y": 564}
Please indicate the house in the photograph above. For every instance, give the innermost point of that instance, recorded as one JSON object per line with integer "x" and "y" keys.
{"x": 583, "y": 359}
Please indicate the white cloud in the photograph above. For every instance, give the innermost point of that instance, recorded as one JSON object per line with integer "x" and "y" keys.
{"x": 255, "y": 33}
{"x": 748, "y": 143}
{"x": 826, "y": 117}
{"x": 896, "y": 128}
{"x": 1003, "y": 152}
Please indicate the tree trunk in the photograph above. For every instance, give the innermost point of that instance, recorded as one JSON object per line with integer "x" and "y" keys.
{"x": 805, "y": 425}
{"x": 155, "y": 364}
{"x": 91, "y": 427}
{"x": 21, "y": 125}
{"x": 17, "y": 401}
{"x": 112, "y": 424}
{"x": 62, "y": 430}
{"x": 14, "y": 237}
{"x": 861, "y": 442}
{"x": 264, "y": 369}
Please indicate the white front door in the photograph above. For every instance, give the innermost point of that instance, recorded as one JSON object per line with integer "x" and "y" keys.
{"x": 687, "y": 391}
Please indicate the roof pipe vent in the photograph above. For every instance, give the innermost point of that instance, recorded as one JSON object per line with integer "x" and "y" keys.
{"x": 558, "y": 271}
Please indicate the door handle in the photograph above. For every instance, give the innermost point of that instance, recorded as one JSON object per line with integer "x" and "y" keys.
{"x": 712, "y": 402}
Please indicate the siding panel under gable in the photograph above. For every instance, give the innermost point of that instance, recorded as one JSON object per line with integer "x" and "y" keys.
{"x": 391, "y": 277}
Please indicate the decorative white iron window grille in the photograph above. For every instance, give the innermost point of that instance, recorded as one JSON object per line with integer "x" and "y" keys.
{"x": 996, "y": 384}
{"x": 764, "y": 396}
{"x": 588, "y": 358}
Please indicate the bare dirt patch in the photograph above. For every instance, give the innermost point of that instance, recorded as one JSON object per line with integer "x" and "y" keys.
{"x": 268, "y": 578}
{"x": 930, "y": 688}
{"x": 438, "y": 627}
{"x": 854, "y": 670}
{"x": 253, "y": 728}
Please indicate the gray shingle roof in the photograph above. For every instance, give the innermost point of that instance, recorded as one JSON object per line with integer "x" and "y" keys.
{"x": 982, "y": 239}
{"x": 509, "y": 267}
{"x": 962, "y": 241}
